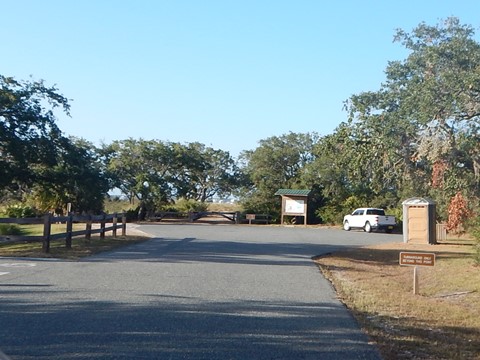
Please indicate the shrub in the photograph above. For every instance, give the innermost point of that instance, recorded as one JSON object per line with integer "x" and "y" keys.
{"x": 131, "y": 214}
{"x": 458, "y": 214}
{"x": 168, "y": 208}
{"x": 10, "y": 229}
{"x": 397, "y": 213}
{"x": 20, "y": 211}
{"x": 187, "y": 205}
{"x": 330, "y": 214}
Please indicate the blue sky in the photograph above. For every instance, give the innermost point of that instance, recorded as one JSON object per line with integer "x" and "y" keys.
{"x": 223, "y": 73}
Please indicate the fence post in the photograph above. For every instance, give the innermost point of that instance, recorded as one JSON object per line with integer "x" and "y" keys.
{"x": 88, "y": 227}
{"x": 46, "y": 233}
{"x": 114, "y": 225}
{"x": 68, "y": 239}
{"x": 124, "y": 224}
{"x": 102, "y": 227}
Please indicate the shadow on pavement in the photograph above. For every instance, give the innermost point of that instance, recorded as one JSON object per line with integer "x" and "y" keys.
{"x": 234, "y": 252}
{"x": 179, "y": 328}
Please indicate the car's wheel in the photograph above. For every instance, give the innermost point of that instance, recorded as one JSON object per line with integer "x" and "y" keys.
{"x": 367, "y": 227}
{"x": 346, "y": 226}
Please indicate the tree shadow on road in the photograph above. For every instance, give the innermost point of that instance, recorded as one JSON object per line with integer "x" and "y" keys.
{"x": 200, "y": 250}
{"x": 169, "y": 327}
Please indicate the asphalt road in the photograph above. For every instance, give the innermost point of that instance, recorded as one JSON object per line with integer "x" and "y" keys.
{"x": 192, "y": 292}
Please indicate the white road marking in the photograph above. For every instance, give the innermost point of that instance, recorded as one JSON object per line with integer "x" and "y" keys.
{"x": 18, "y": 265}
{"x": 4, "y": 273}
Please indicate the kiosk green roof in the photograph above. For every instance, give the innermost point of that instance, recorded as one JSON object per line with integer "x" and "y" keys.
{"x": 293, "y": 192}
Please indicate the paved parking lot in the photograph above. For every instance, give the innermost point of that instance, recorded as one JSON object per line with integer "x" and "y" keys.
{"x": 192, "y": 292}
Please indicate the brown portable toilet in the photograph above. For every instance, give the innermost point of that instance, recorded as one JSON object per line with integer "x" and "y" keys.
{"x": 419, "y": 221}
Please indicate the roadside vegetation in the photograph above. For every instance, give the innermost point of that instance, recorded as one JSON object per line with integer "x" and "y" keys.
{"x": 441, "y": 322}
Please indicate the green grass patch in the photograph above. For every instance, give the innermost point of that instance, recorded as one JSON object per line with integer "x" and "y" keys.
{"x": 11, "y": 229}
{"x": 80, "y": 247}
{"x": 37, "y": 229}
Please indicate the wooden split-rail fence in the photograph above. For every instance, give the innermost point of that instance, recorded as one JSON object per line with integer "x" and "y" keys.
{"x": 114, "y": 222}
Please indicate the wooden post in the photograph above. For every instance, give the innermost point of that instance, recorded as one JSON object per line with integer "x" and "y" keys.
{"x": 68, "y": 239}
{"x": 88, "y": 227}
{"x": 415, "y": 280}
{"x": 124, "y": 224}
{"x": 46, "y": 233}
{"x": 250, "y": 217}
{"x": 416, "y": 259}
{"x": 306, "y": 212}
{"x": 114, "y": 225}
{"x": 102, "y": 227}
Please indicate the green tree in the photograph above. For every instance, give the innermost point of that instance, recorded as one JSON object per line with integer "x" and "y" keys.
{"x": 419, "y": 132}
{"x": 29, "y": 136}
{"x": 441, "y": 93}
{"x": 201, "y": 172}
{"x": 77, "y": 177}
{"x": 330, "y": 172}
{"x": 157, "y": 173}
{"x": 141, "y": 169}
{"x": 278, "y": 162}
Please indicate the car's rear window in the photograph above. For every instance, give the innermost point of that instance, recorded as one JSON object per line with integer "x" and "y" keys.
{"x": 375, "y": 212}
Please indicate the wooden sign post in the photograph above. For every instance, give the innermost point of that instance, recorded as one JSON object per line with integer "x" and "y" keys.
{"x": 416, "y": 259}
{"x": 250, "y": 217}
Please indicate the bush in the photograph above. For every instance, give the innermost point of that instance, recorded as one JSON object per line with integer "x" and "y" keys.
{"x": 131, "y": 214}
{"x": 333, "y": 213}
{"x": 330, "y": 214}
{"x": 168, "y": 208}
{"x": 8, "y": 229}
{"x": 188, "y": 205}
{"x": 20, "y": 211}
{"x": 458, "y": 214}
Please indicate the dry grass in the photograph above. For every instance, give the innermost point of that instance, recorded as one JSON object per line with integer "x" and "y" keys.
{"x": 441, "y": 322}
{"x": 224, "y": 207}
